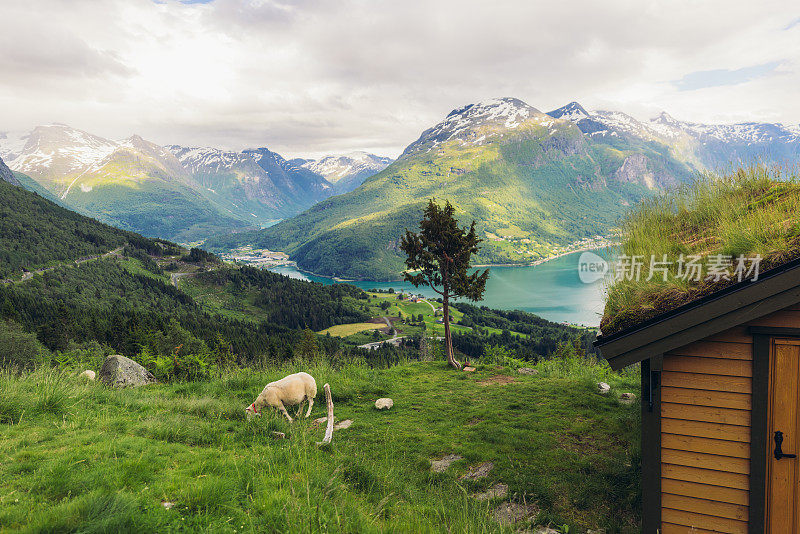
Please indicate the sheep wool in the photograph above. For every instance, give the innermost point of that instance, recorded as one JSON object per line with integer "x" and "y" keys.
{"x": 291, "y": 390}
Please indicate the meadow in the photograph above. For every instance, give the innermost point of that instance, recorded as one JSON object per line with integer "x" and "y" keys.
{"x": 77, "y": 456}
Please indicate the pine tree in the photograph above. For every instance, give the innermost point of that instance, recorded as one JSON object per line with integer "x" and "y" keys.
{"x": 439, "y": 256}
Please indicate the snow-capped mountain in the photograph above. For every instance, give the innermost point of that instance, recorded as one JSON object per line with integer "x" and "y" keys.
{"x": 479, "y": 124}
{"x": 50, "y": 154}
{"x": 347, "y": 171}
{"x": 257, "y": 184}
{"x": 703, "y": 146}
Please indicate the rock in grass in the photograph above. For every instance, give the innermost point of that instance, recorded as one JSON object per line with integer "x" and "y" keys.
{"x": 627, "y": 398}
{"x": 119, "y": 371}
{"x": 278, "y": 435}
{"x": 546, "y": 530}
{"x": 319, "y": 422}
{"x": 469, "y": 369}
{"x": 603, "y": 388}
{"x": 341, "y": 425}
{"x": 498, "y": 491}
{"x": 384, "y": 404}
{"x": 88, "y": 375}
{"x": 528, "y": 371}
{"x": 441, "y": 465}
{"x": 514, "y": 512}
{"x": 478, "y": 471}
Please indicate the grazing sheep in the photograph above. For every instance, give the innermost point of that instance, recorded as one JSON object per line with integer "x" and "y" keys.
{"x": 88, "y": 375}
{"x": 288, "y": 391}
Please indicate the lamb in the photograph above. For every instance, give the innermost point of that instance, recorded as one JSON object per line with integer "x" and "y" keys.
{"x": 288, "y": 391}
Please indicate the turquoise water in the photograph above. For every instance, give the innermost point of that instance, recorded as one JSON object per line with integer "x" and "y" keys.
{"x": 551, "y": 290}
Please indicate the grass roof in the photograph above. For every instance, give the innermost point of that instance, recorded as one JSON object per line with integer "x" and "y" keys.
{"x": 750, "y": 212}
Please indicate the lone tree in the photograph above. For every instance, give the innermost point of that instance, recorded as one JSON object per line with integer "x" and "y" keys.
{"x": 439, "y": 256}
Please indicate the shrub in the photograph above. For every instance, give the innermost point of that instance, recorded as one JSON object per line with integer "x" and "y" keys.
{"x": 20, "y": 349}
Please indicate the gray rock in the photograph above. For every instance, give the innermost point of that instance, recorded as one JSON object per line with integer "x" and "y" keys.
{"x": 514, "y": 512}
{"x": 441, "y": 465}
{"x": 384, "y": 404}
{"x": 603, "y": 388}
{"x": 477, "y": 472}
{"x": 528, "y": 371}
{"x": 119, "y": 371}
{"x": 341, "y": 425}
{"x": 498, "y": 491}
{"x": 545, "y": 530}
{"x": 627, "y": 398}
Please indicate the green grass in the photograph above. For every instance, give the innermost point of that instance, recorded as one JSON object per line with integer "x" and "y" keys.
{"x": 79, "y": 457}
{"x": 344, "y": 330}
{"x": 748, "y": 212}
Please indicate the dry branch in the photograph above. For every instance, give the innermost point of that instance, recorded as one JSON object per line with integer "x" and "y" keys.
{"x": 329, "y": 429}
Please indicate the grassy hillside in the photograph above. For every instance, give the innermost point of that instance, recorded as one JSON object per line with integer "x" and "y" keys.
{"x": 82, "y": 457}
{"x": 531, "y": 190}
{"x": 752, "y": 211}
{"x": 35, "y": 233}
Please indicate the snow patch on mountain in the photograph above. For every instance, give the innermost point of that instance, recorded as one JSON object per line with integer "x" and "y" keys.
{"x": 477, "y": 123}
{"x": 337, "y": 167}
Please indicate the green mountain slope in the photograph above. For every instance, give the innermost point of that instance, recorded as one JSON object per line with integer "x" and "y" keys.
{"x": 36, "y": 233}
{"x": 531, "y": 182}
{"x": 132, "y": 184}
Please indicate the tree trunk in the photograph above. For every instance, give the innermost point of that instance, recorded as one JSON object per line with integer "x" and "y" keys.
{"x": 448, "y": 341}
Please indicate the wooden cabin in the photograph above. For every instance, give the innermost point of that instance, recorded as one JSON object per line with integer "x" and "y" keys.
{"x": 720, "y": 392}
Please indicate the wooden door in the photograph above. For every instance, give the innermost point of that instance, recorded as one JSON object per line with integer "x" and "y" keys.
{"x": 782, "y": 474}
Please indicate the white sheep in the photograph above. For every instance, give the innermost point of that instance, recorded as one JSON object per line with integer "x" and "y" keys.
{"x": 288, "y": 391}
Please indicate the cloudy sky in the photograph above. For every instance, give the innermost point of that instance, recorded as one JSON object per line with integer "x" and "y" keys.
{"x": 309, "y": 77}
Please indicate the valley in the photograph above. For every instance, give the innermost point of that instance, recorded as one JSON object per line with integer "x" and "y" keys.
{"x": 535, "y": 184}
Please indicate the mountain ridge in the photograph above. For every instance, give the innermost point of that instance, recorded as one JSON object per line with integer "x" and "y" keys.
{"x": 533, "y": 182}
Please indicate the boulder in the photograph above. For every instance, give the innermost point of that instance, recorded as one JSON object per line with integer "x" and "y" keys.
{"x": 528, "y": 371}
{"x": 469, "y": 369}
{"x": 627, "y": 398}
{"x": 441, "y": 465}
{"x": 384, "y": 404}
{"x": 119, "y": 371}
{"x": 88, "y": 375}
{"x": 603, "y": 388}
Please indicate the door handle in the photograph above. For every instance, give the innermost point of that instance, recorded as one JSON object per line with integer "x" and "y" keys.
{"x": 778, "y": 442}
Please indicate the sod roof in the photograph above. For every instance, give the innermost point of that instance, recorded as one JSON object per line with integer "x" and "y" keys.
{"x": 750, "y": 216}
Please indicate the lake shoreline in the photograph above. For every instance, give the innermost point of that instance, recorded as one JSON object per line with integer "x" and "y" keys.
{"x": 534, "y": 263}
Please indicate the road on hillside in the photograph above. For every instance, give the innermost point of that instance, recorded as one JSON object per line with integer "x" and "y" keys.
{"x": 27, "y": 275}
{"x": 395, "y": 340}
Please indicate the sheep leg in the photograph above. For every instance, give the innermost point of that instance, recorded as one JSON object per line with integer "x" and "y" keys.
{"x": 310, "y": 404}
{"x": 282, "y": 408}
{"x": 299, "y": 409}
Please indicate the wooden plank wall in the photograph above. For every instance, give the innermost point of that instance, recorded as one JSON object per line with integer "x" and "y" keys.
{"x": 705, "y": 430}
{"x": 705, "y": 435}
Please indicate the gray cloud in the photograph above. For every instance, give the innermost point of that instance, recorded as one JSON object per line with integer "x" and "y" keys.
{"x": 310, "y": 76}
